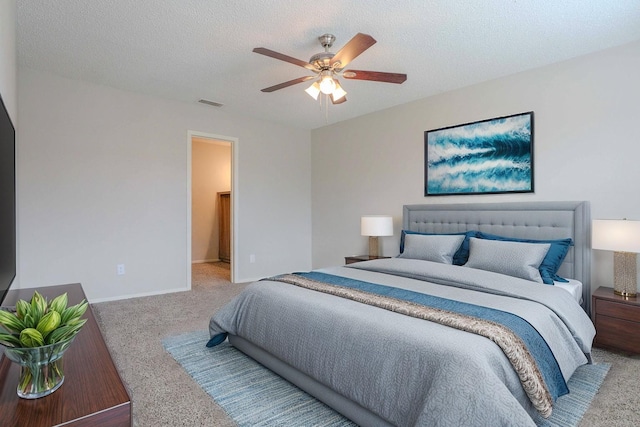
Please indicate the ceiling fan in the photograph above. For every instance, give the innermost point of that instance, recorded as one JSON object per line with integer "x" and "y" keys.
{"x": 326, "y": 66}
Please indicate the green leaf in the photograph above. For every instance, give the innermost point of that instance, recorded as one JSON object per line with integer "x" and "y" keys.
{"x": 63, "y": 333}
{"x": 11, "y": 322}
{"x": 22, "y": 308}
{"x": 38, "y": 307}
{"x": 74, "y": 312}
{"x": 59, "y": 303}
{"x": 48, "y": 323}
{"x": 29, "y": 321}
{"x": 30, "y": 337}
{"x": 10, "y": 340}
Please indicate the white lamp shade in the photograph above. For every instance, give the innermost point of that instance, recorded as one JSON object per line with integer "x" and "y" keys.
{"x": 619, "y": 235}
{"x": 313, "y": 90}
{"x": 376, "y": 225}
{"x": 338, "y": 92}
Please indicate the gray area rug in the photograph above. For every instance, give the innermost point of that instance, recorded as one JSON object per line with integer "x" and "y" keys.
{"x": 254, "y": 396}
{"x": 164, "y": 394}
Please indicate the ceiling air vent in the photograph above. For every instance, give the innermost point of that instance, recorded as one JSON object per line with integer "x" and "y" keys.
{"x": 212, "y": 103}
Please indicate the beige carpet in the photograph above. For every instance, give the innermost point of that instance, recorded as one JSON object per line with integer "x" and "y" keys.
{"x": 163, "y": 394}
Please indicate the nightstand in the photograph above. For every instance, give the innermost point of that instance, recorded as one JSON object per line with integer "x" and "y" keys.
{"x": 617, "y": 321}
{"x": 358, "y": 258}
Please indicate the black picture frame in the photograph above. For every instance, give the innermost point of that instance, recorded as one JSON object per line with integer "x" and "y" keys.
{"x": 490, "y": 156}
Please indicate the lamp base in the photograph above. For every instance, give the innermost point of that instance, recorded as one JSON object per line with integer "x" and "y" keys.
{"x": 373, "y": 246}
{"x": 624, "y": 274}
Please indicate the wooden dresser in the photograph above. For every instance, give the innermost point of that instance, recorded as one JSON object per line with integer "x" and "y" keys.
{"x": 617, "y": 321}
{"x": 92, "y": 394}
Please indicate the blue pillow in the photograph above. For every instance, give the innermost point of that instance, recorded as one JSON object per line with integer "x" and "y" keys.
{"x": 462, "y": 254}
{"x": 551, "y": 262}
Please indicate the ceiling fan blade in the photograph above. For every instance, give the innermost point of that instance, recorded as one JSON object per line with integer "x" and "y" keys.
{"x": 339, "y": 101}
{"x": 375, "y": 76}
{"x": 283, "y": 57}
{"x": 358, "y": 44}
{"x": 287, "y": 84}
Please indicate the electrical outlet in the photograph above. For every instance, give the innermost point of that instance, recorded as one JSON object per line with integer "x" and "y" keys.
{"x": 120, "y": 269}
{"x": 252, "y": 258}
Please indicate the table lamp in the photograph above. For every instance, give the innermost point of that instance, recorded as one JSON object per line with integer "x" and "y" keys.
{"x": 623, "y": 238}
{"x": 375, "y": 226}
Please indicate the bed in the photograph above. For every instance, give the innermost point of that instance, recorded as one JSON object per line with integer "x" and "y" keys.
{"x": 362, "y": 339}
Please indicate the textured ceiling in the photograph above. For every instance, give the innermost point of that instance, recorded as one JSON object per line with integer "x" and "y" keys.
{"x": 191, "y": 49}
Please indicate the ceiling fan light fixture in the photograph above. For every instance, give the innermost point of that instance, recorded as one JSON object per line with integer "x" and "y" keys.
{"x": 313, "y": 90}
{"x": 338, "y": 92}
{"x": 327, "y": 83}
{"x": 327, "y": 66}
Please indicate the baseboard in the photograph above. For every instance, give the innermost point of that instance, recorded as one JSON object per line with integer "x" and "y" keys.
{"x": 202, "y": 261}
{"x": 143, "y": 294}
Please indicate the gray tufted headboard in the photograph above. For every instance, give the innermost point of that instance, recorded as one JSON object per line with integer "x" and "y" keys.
{"x": 530, "y": 220}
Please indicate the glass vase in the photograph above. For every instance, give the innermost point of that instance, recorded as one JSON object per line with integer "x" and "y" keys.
{"x": 41, "y": 370}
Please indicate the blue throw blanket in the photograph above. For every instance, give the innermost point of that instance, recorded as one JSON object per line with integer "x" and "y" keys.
{"x": 533, "y": 340}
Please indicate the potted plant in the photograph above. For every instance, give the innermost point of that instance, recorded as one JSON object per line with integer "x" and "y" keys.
{"x": 36, "y": 337}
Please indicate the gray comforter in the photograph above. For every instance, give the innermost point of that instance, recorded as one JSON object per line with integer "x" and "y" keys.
{"x": 406, "y": 370}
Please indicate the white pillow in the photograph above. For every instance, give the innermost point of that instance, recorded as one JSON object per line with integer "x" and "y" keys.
{"x": 437, "y": 248}
{"x": 511, "y": 258}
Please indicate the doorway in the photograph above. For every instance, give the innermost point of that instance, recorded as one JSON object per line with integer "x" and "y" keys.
{"x": 210, "y": 207}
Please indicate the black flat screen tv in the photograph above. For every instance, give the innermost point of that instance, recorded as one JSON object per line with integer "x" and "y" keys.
{"x": 7, "y": 202}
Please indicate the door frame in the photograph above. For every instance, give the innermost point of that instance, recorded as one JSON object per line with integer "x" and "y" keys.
{"x": 234, "y": 193}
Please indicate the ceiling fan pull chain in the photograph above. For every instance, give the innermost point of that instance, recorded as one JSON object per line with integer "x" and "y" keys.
{"x": 326, "y": 109}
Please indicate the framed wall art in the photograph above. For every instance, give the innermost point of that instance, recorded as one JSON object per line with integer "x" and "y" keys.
{"x": 485, "y": 157}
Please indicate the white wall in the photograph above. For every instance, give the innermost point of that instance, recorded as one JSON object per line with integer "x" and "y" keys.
{"x": 586, "y": 142}
{"x": 211, "y": 174}
{"x": 103, "y": 181}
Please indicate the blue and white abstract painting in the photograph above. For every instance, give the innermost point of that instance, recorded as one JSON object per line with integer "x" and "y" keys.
{"x": 489, "y": 156}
